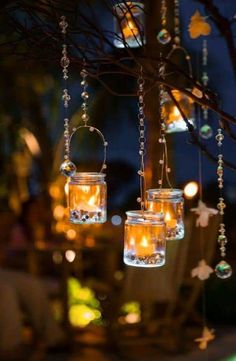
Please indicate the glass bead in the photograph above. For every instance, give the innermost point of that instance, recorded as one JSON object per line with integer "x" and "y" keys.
{"x": 206, "y": 131}
{"x": 84, "y": 95}
{"x": 222, "y": 238}
{"x": 65, "y": 62}
{"x": 223, "y": 270}
{"x": 163, "y": 37}
{"x": 68, "y": 168}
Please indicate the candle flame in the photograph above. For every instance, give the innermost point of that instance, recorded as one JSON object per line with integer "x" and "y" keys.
{"x": 144, "y": 242}
{"x": 130, "y": 29}
{"x": 176, "y": 112}
{"x": 91, "y": 201}
{"x": 132, "y": 241}
{"x": 167, "y": 217}
{"x": 66, "y": 188}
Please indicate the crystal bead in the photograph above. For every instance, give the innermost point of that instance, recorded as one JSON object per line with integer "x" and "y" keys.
{"x": 222, "y": 238}
{"x": 223, "y": 270}
{"x": 83, "y": 73}
{"x": 85, "y": 117}
{"x": 206, "y": 131}
{"x": 65, "y": 62}
{"x": 68, "y": 168}
{"x": 84, "y": 95}
{"x": 163, "y": 37}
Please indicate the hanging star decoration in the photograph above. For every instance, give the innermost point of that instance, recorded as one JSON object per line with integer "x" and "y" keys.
{"x": 198, "y": 26}
{"x": 202, "y": 271}
{"x": 204, "y": 213}
{"x": 207, "y": 336}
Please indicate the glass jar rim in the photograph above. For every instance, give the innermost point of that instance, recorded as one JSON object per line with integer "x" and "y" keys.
{"x": 88, "y": 175}
{"x": 164, "y": 193}
{"x": 146, "y": 215}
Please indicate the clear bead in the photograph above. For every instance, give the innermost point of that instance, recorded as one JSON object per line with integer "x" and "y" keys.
{"x": 206, "y": 131}
{"x": 163, "y": 37}
{"x": 68, "y": 168}
{"x": 223, "y": 270}
{"x": 84, "y": 95}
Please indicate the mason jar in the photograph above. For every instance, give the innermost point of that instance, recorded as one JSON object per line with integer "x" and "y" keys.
{"x": 87, "y": 198}
{"x": 129, "y": 24}
{"x": 171, "y": 203}
{"x": 144, "y": 239}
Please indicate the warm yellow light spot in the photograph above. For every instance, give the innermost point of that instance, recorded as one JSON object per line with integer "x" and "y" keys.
{"x": 132, "y": 241}
{"x": 31, "y": 142}
{"x": 70, "y": 255}
{"x": 66, "y": 188}
{"x": 71, "y": 234}
{"x": 132, "y": 318}
{"x": 176, "y": 112}
{"x": 130, "y": 29}
{"x": 191, "y": 189}
{"x": 55, "y": 191}
{"x": 59, "y": 212}
{"x": 60, "y": 227}
{"x": 82, "y": 315}
{"x": 144, "y": 242}
{"x": 91, "y": 201}
{"x": 167, "y": 217}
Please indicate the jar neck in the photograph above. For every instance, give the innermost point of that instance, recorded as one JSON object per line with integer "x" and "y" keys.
{"x": 85, "y": 177}
{"x": 145, "y": 217}
{"x": 164, "y": 193}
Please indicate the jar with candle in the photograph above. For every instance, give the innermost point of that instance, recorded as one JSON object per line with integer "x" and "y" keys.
{"x": 87, "y": 198}
{"x": 129, "y": 24}
{"x": 171, "y": 203}
{"x": 144, "y": 239}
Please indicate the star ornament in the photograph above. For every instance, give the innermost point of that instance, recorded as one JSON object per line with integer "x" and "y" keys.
{"x": 207, "y": 336}
{"x": 198, "y": 26}
{"x": 202, "y": 271}
{"x": 204, "y": 213}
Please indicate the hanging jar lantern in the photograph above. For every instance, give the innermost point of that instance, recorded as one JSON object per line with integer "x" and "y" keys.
{"x": 170, "y": 202}
{"x": 129, "y": 24}
{"x": 86, "y": 191}
{"x": 87, "y": 198}
{"x": 174, "y": 121}
{"x": 144, "y": 244}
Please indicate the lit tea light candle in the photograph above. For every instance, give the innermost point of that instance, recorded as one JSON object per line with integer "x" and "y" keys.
{"x": 144, "y": 248}
{"x": 130, "y": 29}
{"x": 170, "y": 222}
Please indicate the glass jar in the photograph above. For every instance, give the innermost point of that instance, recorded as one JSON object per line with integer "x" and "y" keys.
{"x": 87, "y": 198}
{"x": 173, "y": 119}
{"x": 171, "y": 203}
{"x": 129, "y": 24}
{"x": 144, "y": 240}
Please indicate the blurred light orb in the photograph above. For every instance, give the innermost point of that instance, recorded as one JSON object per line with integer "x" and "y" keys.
{"x": 191, "y": 189}
{"x": 70, "y": 255}
{"x": 71, "y": 234}
{"x": 58, "y": 212}
{"x": 57, "y": 257}
{"x": 116, "y": 220}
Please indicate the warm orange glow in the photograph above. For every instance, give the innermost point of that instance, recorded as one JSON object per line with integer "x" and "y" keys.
{"x": 55, "y": 191}
{"x": 31, "y": 142}
{"x": 145, "y": 247}
{"x": 191, "y": 189}
{"x": 59, "y": 212}
{"x": 170, "y": 222}
{"x": 66, "y": 188}
{"x": 71, "y": 234}
{"x": 130, "y": 29}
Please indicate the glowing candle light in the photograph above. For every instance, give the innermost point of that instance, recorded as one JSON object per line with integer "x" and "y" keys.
{"x": 170, "y": 222}
{"x": 145, "y": 247}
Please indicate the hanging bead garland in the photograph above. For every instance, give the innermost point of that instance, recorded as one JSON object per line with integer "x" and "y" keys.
{"x": 176, "y": 24}
{"x": 67, "y": 168}
{"x": 206, "y": 130}
{"x": 166, "y": 200}
{"x": 87, "y": 191}
{"x": 163, "y": 37}
{"x": 223, "y": 269}
{"x": 144, "y": 238}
